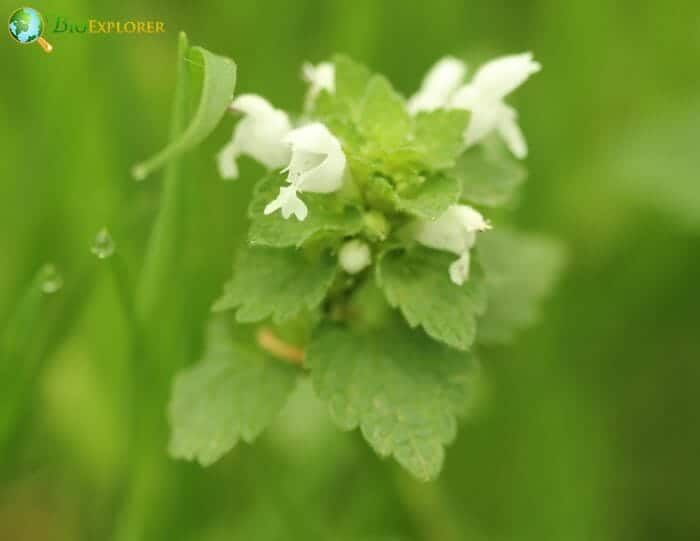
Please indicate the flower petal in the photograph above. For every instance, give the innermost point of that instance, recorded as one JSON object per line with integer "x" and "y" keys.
{"x": 320, "y": 77}
{"x": 318, "y": 162}
{"x": 259, "y": 134}
{"x": 501, "y": 76}
{"x": 459, "y": 269}
{"x": 226, "y": 161}
{"x": 453, "y": 231}
{"x": 512, "y": 135}
{"x": 484, "y": 119}
{"x": 438, "y": 85}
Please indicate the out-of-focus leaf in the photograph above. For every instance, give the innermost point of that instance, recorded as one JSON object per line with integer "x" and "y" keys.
{"x": 234, "y": 393}
{"x": 521, "y": 270}
{"x": 218, "y": 82}
{"x": 656, "y": 162}
{"x": 489, "y": 174}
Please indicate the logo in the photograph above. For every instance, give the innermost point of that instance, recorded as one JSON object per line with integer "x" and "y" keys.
{"x": 27, "y": 25}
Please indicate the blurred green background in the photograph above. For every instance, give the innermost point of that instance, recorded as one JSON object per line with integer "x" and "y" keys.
{"x": 592, "y": 428}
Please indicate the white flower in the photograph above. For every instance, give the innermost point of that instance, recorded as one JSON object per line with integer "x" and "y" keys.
{"x": 454, "y": 231}
{"x": 317, "y": 165}
{"x": 484, "y": 98}
{"x": 320, "y": 77}
{"x": 438, "y": 86}
{"x": 259, "y": 134}
{"x": 354, "y": 256}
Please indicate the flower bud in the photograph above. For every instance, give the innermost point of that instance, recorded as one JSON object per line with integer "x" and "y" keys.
{"x": 354, "y": 256}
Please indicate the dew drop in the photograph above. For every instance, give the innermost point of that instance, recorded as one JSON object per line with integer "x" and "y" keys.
{"x": 103, "y": 246}
{"x": 51, "y": 280}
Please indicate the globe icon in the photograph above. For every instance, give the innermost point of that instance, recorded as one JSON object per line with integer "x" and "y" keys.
{"x": 26, "y": 25}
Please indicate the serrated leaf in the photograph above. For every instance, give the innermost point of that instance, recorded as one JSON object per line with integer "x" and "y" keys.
{"x": 276, "y": 282}
{"x": 402, "y": 389}
{"x": 521, "y": 270}
{"x": 218, "y": 75}
{"x": 337, "y": 110}
{"x": 383, "y": 118}
{"x": 489, "y": 175}
{"x": 439, "y": 137}
{"x": 417, "y": 282}
{"x": 327, "y": 213}
{"x": 431, "y": 198}
{"x": 233, "y": 394}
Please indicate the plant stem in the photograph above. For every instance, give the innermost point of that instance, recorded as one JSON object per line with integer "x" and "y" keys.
{"x": 162, "y": 252}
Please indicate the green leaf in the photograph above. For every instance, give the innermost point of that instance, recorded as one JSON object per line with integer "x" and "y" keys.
{"x": 328, "y": 213}
{"x": 383, "y": 118}
{"x": 417, "y": 282}
{"x": 402, "y": 389}
{"x": 218, "y": 82}
{"x": 351, "y": 79}
{"x": 439, "y": 137}
{"x": 277, "y": 283}
{"x": 338, "y": 110}
{"x": 431, "y": 198}
{"x": 489, "y": 175}
{"x": 521, "y": 269}
{"x": 234, "y": 393}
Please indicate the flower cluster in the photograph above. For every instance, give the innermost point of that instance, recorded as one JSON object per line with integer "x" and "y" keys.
{"x": 386, "y": 155}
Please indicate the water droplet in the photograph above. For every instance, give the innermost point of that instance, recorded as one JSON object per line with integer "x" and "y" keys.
{"x": 51, "y": 280}
{"x": 139, "y": 172}
{"x": 103, "y": 246}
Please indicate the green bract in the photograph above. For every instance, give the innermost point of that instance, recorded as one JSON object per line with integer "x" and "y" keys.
{"x": 390, "y": 347}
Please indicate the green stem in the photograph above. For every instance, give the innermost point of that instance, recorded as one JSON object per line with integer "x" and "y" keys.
{"x": 163, "y": 247}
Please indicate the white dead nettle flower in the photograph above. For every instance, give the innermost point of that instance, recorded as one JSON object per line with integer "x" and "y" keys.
{"x": 438, "y": 86}
{"x": 319, "y": 77}
{"x": 484, "y": 98}
{"x": 259, "y": 134}
{"x": 317, "y": 165}
{"x": 354, "y": 256}
{"x": 454, "y": 231}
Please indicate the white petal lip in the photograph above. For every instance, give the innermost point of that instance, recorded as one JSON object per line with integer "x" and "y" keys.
{"x": 438, "y": 85}
{"x": 259, "y": 134}
{"x": 289, "y": 203}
